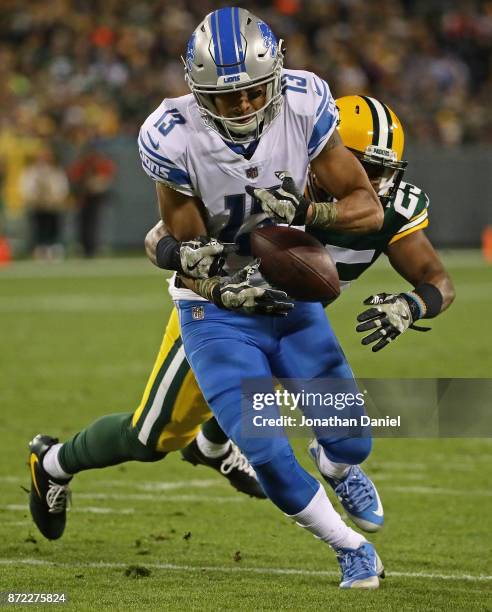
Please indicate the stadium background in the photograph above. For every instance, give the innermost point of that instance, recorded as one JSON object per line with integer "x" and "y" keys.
{"x": 78, "y": 338}
{"x": 90, "y": 72}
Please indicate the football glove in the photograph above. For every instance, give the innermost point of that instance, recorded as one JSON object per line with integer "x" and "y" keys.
{"x": 203, "y": 257}
{"x": 285, "y": 204}
{"x": 390, "y": 316}
{"x": 243, "y": 293}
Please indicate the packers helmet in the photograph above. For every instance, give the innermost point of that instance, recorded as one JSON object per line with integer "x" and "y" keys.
{"x": 372, "y": 131}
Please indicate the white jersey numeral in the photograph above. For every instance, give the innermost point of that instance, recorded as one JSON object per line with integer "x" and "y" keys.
{"x": 412, "y": 199}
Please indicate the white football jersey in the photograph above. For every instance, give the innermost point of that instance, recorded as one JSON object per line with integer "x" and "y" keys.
{"x": 179, "y": 150}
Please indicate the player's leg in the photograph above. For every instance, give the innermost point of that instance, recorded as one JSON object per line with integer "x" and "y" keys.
{"x": 172, "y": 411}
{"x": 314, "y": 352}
{"x": 168, "y": 418}
{"x": 110, "y": 440}
{"x": 224, "y": 349}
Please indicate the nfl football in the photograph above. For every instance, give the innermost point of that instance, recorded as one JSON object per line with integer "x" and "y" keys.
{"x": 297, "y": 263}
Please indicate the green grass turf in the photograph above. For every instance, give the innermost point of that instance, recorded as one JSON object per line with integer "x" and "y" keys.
{"x": 78, "y": 341}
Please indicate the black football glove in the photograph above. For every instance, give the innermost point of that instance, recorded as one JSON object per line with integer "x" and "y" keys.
{"x": 203, "y": 257}
{"x": 285, "y": 204}
{"x": 238, "y": 293}
{"x": 390, "y": 316}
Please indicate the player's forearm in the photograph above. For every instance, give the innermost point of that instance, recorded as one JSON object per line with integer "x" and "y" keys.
{"x": 442, "y": 281}
{"x": 415, "y": 259}
{"x": 153, "y": 239}
{"x": 359, "y": 212}
{"x": 205, "y": 287}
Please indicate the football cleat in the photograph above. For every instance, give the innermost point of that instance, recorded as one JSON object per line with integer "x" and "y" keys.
{"x": 356, "y": 492}
{"x": 49, "y": 497}
{"x": 233, "y": 465}
{"x": 361, "y": 567}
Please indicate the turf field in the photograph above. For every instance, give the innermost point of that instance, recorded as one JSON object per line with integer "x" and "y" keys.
{"x": 78, "y": 340}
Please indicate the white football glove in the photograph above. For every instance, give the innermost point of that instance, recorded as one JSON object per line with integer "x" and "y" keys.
{"x": 285, "y": 204}
{"x": 203, "y": 257}
{"x": 238, "y": 293}
{"x": 390, "y": 316}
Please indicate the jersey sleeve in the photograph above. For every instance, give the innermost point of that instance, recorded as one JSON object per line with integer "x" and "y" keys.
{"x": 411, "y": 204}
{"x": 161, "y": 144}
{"x": 323, "y": 119}
{"x": 309, "y": 99}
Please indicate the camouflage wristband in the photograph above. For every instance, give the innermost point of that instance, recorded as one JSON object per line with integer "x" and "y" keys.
{"x": 324, "y": 214}
{"x": 209, "y": 288}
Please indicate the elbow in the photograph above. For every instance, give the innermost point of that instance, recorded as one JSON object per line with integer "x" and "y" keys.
{"x": 379, "y": 218}
{"x": 152, "y": 239}
{"x": 150, "y": 249}
{"x": 376, "y": 218}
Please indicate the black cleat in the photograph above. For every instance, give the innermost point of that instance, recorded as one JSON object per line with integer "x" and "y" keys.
{"x": 233, "y": 465}
{"x": 49, "y": 497}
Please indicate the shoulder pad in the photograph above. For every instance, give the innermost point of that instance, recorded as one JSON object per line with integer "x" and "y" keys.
{"x": 410, "y": 201}
{"x": 309, "y": 97}
{"x": 162, "y": 145}
{"x": 410, "y": 204}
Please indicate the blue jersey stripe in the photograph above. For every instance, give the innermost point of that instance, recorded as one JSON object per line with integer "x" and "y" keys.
{"x": 159, "y": 172}
{"x": 160, "y": 158}
{"x": 323, "y": 100}
{"x": 321, "y": 128}
{"x": 162, "y": 167}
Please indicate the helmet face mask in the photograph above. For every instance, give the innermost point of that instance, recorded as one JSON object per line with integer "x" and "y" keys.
{"x": 385, "y": 175}
{"x": 232, "y": 50}
{"x": 374, "y": 134}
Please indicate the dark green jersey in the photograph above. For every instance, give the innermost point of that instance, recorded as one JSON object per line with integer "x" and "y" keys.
{"x": 354, "y": 253}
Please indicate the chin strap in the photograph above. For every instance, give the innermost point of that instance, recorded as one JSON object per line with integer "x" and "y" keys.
{"x": 244, "y": 128}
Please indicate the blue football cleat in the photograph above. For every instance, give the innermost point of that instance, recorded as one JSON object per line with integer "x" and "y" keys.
{"x": 356, "y": 492}
{"x": 361, "y": 567}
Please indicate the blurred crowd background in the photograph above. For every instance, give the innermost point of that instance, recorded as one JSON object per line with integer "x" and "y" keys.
{"x": 77, "y": 74}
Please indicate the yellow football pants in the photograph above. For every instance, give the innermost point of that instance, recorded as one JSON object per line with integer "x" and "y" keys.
{"x": 172, "y": 407}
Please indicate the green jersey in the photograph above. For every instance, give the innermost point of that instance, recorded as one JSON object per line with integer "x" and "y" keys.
{"x": 405, "y": 213}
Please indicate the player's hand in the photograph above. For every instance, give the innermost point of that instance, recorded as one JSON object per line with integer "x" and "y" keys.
{"x": 285, "y": 204}
{"x": 389, "y": 316}
{"x": 243, "y": 293}
{"x": 203, "y": 257}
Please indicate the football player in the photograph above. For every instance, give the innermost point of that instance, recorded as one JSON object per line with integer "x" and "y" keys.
{"x": 374, "y": 134}
{"x": 401, "y": 238}
{"x": 245, "y": 121}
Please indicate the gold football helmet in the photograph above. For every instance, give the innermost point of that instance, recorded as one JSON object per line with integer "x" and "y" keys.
{"x": 372, "y": 131}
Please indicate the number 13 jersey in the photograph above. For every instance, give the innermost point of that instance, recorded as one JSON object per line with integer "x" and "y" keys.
{"x": 180, "y": 151}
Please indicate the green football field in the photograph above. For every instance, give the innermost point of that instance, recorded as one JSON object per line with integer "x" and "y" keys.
{"x": 78, "y": 340}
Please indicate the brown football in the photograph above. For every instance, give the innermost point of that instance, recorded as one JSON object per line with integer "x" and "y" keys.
{"x": 297, "y": 263}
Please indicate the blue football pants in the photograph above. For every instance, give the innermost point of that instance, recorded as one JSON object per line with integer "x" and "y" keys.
{"x": 224, "y": 348}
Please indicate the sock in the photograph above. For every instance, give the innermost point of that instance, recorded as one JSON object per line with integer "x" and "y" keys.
{"x": 323, "y": 521}
{"x": 213, "y": 432}
{"x": 329, "y": 468}
{"x": 52, "y": 465}
{"x": 211, "y": 449}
